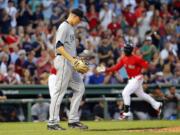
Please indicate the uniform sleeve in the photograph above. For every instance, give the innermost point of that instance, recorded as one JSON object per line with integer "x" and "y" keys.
{"x": 142, "y": 62}
{"x": 115, "y": 67}
{"x": 61, "y": 35}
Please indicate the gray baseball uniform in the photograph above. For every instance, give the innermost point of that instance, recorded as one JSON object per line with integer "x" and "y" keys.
{"x": 66, "y": 76}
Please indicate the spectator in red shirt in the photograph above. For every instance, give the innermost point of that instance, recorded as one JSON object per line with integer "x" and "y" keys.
{"x": 114, "y": 25}
{"x": 140, "y": 9}
{"x": 12, "y": 39}
{"x": 129, "y": 16}
{"x": 92, "y": 16}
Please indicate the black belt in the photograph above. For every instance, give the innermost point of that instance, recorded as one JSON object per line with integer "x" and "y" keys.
{"x": 58, "y": 54}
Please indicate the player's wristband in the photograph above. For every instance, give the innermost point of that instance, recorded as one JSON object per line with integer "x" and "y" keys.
{"x": 59, "y": 44}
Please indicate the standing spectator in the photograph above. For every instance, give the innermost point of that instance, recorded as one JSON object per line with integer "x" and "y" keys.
{"x": 105, "y": 16}
{"x": 55, "y": 19}
{"x": 37, "y": 15}
{"x": 92, "y": 16}
{"x": 144, "y": 22}
{"x": 129, "y": 16}
{"x": 24, "y": 15}
{"x": 11, "y": 10}
{"x": 5, "y": 21}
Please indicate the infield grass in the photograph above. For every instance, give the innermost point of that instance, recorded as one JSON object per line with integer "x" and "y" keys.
{"x": 95, "y": 128}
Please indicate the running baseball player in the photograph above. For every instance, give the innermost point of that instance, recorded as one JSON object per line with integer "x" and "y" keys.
{"x": 134, "y": 66}
{"x": 68, "y": 68}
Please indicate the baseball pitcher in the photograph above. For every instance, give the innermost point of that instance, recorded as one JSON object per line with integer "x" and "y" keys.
{"x": 68, "y": 68}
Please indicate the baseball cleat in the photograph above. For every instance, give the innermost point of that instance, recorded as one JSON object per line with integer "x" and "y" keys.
{"x": 125, "y": 116}
{"x": 77, "y": 125}
{"x": 55, "y": 127}
{"x": 159, "y": 109}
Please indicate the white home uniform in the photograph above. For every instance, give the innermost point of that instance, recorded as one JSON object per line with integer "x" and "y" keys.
{"x": 66, "y": 77}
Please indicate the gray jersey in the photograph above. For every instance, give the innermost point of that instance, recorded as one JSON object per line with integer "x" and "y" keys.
{"x": 65, "y": 34}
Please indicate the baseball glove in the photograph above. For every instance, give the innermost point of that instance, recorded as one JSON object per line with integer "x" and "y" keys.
{"x": 80, "y": 66}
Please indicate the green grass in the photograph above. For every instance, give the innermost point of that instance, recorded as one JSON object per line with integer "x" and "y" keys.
{"x": 95, "y": 128}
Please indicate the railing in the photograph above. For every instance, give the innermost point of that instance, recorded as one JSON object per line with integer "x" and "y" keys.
{"x": 26, "y": 94}
{"x": 29, "y": 103}
{"x": 24, "y": 91}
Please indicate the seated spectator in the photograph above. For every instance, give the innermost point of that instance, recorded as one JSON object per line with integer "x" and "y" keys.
{"x": 27, "y": 45}
{"x": 27, "y": 78}
{"x": 112, "y": 77}
{"x": 167, "y": 72}
{"x": 30, "y": 65}
{"x": 114, "y": 25}
{"x": 20, "y": 62}
{"x": 84, "y": 110}
{"x": 43, "y": 78}
{"x": 2, "y": 96}
{"x": 14, "y": 55}
{"x": 160, "y": 79}
{"x": 164, "y": 53}
{"x": 171, "y": 106}
{"x": 43, "y": 63}
{"x": 2, "y": 79}
{"x": 118, "y": 109}
{"x": 157, "y": 61}
{"x": 98, "y": 111}
{"x": 11, "y": 77}
{"x": 40, "y": 110}
{"x": 12, "y": 39}
{"x": 3, "y": 63}
{"x": 105, "y": 51}
{"x": 176, "y": 77}
{"x": 96, "y": 78}
{"x": 148, "y": 49}
{"x": 157, "y": 93}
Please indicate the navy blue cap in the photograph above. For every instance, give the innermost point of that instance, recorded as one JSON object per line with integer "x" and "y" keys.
{"x": 79, "y": 13}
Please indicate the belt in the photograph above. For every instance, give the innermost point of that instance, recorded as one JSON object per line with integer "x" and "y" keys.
{"x": 58, "y": 54}
{"x": 137, "y": 76}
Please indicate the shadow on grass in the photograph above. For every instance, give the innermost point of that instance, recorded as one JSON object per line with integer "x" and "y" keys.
{"x": 127, "y": 129}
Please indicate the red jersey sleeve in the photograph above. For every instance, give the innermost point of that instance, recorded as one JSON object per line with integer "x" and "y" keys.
{"x": 142, "y": 62}
{"x": 115, "y": 67}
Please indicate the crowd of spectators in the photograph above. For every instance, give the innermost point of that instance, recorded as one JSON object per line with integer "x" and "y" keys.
{"x": 28, "y": 28}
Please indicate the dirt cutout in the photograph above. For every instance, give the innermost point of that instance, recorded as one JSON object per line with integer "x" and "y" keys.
{"x": 167, "y": 129}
